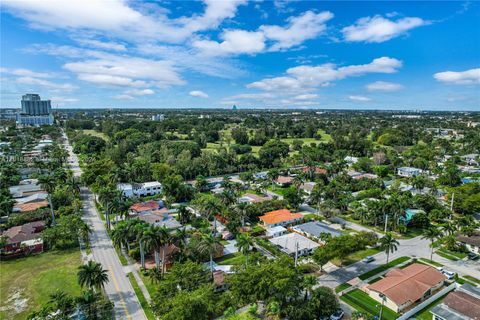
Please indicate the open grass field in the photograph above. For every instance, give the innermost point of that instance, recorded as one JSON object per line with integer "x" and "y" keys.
{"x": 362, "y": 302}
{"x": 26, "y": 283}
{"x": 96, "y": 134}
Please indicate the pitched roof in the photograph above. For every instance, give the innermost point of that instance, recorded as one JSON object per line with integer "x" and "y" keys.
{"x": 464, "y": 304}
{"x": 409, "y": 284}
{"x": 38, "y": 196}
{"x": 27, "y": 207}
{"x": 474, "y": 239}
{"x": 145, "y": 206}
{"x": 284, "y": 179}
{"x": 256, "y": 198}
{"x": 318, "y": 170}
{"x": 278, "y": 216}
{"x": 25, "y": 232}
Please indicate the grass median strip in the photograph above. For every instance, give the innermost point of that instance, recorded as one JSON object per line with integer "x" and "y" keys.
{"x": 141, "y": 298}
{"x": 384, "y": 267}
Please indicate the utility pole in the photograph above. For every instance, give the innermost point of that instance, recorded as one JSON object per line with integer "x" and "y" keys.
{"x": 381, "y": 307}
{"x": 386, "y": 223}
{"x": 451, "y": 202}
{"x": 296, "y": 253}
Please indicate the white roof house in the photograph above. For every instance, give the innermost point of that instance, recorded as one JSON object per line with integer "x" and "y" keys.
{"x": 276, "y": 231}
{"x": 409, "y": 171}
{"x": 350, "y": 159}
{"x": 140, "y": 189}
{"x": 293, "y": 242}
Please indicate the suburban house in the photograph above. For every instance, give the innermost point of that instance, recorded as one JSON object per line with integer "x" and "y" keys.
{"x": 29, "y": 207}
{"x": 36, "y": 197}
{"x": 461, "y": 304}
{"x": 219, "y": 281}
{"x": 160, "y": 218}
{"x": 253, "y": 198}
{"x": 350, "y": 159}
{"x": 307, "y": 187}
{"x": 145, "y": 207}
{"x": 472, "y": 243}
{"x": 24, "y": 239}
{"x": 315, "y": 170}
{"x": 276, "y": 231}
{"x": 400, "y": 288}
{"x": 316, "y": 229}
{"x": 283, "y": 181}
{"x": 140, "y": 189}
{"x": 293, "y": 242}
{"x": 24, "y": 190}
{"x": 361, "y": 175}
{"x": 280, "y": 217}
{"x": 409, "y": 171}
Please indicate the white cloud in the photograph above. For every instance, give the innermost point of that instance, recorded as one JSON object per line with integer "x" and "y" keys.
{"x": 359, "y": 98}
{"x": 379, "y": 29}
{"x": 126, "y": 71}
{"x": 107, "y": 45}
{"x": 123, "y": 97}
{"x": 467, "y": 77}
{"x": 307, "y": 96}
{"x": 383, "y": 86}
{"x": 140, "y": 92}
{"x": 307, "y": 77}
{"x": 27, "y": 73}
{"x": 198, "y": 94}
{"x": 299, "y": 29}
{"x": 234, "y": 42}
{"x": 45, "y": 83}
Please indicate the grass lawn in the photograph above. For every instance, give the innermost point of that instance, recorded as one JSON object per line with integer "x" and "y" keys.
{"x": 473, "y": 279}
{"x": 26, "y": 283}
{"x": 458, "y": 255}
{"x": 362, "y": 302}
{"x": 446, "y": 255}
{"x": 141, "y": 298}
{"x": 236, "y": 258}
{"x": 384, "y": 267}
{"x": 121, "y": 257}
{"x": 425, "y": 313}
{"x": 356, "y": 256}
{"x": 95, "y": 133}
{"x": 436, "y": 264}
{"x": 342, "y": 287}
{"x": 148, "y": 283}
{"x": 277, "y": 190}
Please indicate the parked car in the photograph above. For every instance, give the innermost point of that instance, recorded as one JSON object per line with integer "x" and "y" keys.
{"x": 368, "y": 259}
{"x": 472, "y": 256}
{"x": 337, "y": 315}
{"x": 440, "y": 269}
{"x": 449, "y": 274}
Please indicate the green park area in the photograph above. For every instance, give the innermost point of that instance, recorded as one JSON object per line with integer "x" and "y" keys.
{"x": 27, "y": 283}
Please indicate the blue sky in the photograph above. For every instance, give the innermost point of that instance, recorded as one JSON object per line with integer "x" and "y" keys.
{"x": 263, "y": 54}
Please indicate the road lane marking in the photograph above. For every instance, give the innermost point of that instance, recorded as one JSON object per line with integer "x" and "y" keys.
{"x": 115, "y": 283}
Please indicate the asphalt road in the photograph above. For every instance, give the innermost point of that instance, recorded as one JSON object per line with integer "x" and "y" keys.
{"x": 118, "y": 288}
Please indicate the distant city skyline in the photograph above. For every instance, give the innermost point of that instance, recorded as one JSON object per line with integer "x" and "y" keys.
{"x": 261, "y": 54}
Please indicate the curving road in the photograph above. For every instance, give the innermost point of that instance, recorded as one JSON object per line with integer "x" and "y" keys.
{"x": 118, "y": 288}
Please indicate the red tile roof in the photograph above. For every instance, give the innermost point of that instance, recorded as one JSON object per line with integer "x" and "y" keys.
{"x": 284, "y": 179}
{"x": 409, "y": 284}
{"x": 463, "y": 303}
{"x": 145, "y": 206}
{"x": 25, "y": 232}
{"x": 318, "y": 170}
{"x": 282, "y": 215}
{"x": 27, "y": 207}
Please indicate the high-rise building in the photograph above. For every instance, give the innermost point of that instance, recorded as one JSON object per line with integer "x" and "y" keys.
{"x": 35, "y": 111}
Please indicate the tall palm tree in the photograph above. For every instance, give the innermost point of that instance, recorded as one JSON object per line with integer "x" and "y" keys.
{"x": 272, "y": 176}
{"x": 211, "y": 207}
{"x": 244, "y": 245}
{"x": 72, "y": 184}
{"x": 389, "y": 244}
{"x": 165, "y": 240}
{"x": 139, "y": 229}
{"x": 317, "y": 195}
{"x": 242, "y": 211}
{"x": 120, "y": 235}
{"x": 208, "y": 244}
{"x": 106, "y": 196}
{"x": 308, "y": 283}
{"x": 184, "y": 215}
{"x": 433, "y": 234}
{"x": 48, "y": 183}
{"x": 152, "y": 242}
{"x": 62, "y": 301}
{"x": 92, "y": 275}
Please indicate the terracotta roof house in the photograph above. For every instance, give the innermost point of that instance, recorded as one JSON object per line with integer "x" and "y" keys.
{"x": 308, "y": 187}
{"x": 317, "y": 170}
{"x": 24, "y": 238}
{"x": 284, "y": 181}
{"x": 280, "y": 217}
{"x": 472, "y": 243}
{"x": 403, "y": 287}
{"x": 144, "y": 207}
{"x": 462, "y": 304}
{"x": 28, "y": 207}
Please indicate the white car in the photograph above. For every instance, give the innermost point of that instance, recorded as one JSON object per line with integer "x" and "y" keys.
{"x": 440, "y": 269}
{"x": 449, "y": 274}
{"x": 337, "y": 315}
{"x": 368, "y": 259}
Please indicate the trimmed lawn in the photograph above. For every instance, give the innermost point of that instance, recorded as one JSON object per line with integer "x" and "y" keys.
{"x": 26, "y": 283}
{"x": 362, "y": 302}
{"x": 95, "y": 133}
{"x": 384, "y": 267}
{"x": 425, "y": 313}
{"x": 446, "y": 255}
{"x": 473, "y": 279}
{"x": 342, "y": 287}
{"x": 148, "y": 283}
{"x": 436, "y": 264}
{"x": 278, "y": 190}
{"x": 356, "y": 256}
{"x": 458, "y": 255}
{"x": 236, "y": 258}
{"x": 141, "y": 298}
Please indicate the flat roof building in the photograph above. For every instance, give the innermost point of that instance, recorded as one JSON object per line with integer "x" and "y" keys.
{"x": 293, "y": 242}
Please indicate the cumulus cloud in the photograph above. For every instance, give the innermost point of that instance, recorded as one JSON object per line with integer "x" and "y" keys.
{"x": 140, "y": 92}
{"x": 467, "y": 77}
{"x": 104, "y": 45}
{"x": 380, "y": 29}
{"x": 126, "y": 71}
{"x": 304, "y": 77}
{"x": 63, "y": 100}
{"x": 27, "y": 73}
{"x": 198, "y": 94}
{"x": 359, "y": 98}
{"x": 123, "y": 97}
{"x": 383, "y": 86}
{"x": 308, "y": 25}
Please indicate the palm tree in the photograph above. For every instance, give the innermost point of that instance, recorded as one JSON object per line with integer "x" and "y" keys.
{"x": 184, "y": 215}
{"x": 72, "y": 184}
{"x": 242, "y": 211}
{"x": 106, "y": 196}
{"x": 208, "y": 244}
{"x": 152, "y": 242}
{"x": 244, "y": 245}
{"x": 389, "y": 244}
{"x": 432, "y": 234}
{"x": 120, "y": 235}
{"x": 48, "y": 183}
{"x": 317, "y": 195}
{"x": 92, "y": 275}
{"x": 211, "y": 207}
{"x": 139, "y": 229}
{"x": 272, "y": 176}
{"x": 62, "y": 301}
{"x": 309, "y": 282}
